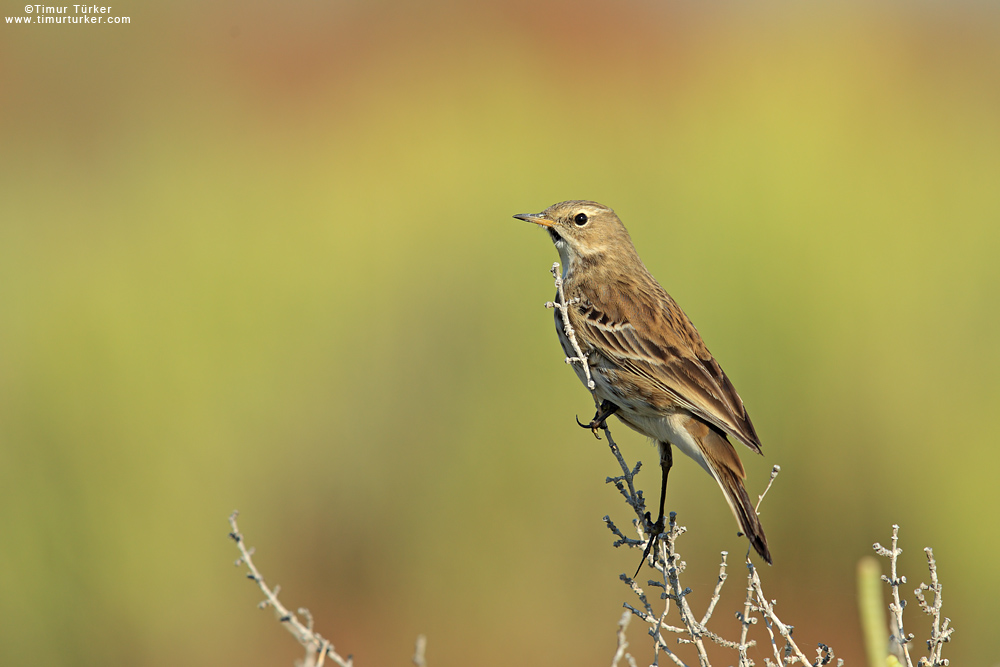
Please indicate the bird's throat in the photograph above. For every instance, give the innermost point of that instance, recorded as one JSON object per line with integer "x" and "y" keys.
{"x": 565, "y": 258}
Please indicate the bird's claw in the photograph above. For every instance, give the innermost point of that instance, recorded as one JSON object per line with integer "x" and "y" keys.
{"x": 606, "y": 409}
{"x": 594, "y": 425}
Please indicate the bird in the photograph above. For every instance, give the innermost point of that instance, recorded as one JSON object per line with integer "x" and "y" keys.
{"x": 649, "y": 365}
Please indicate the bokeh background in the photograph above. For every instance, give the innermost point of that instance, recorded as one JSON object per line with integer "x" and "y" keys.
{"x": 260, "y": 256}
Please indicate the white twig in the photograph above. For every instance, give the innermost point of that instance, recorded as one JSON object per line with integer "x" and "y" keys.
{"x": 672, "y": 571}
{"x": 563, "y": 307}
{"x": 717, "y": 593}
{"x": 940, "y": 631}
{"x": 896, "y": 606}
{"x": 774, "y": 473}
{"x": 623, "y": 642}
{"x": 746, "y": 620}
{"x": 766, "y": 608}
{"x": 317, "y": 648}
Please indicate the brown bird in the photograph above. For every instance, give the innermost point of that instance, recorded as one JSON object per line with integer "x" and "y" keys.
{"x": 649, "y": 365}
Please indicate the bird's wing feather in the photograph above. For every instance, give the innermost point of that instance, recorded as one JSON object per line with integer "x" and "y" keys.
{"x": 651, "y": 337}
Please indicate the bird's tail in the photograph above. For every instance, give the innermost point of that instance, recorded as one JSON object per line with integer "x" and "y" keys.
{"x": 743, "y": 510}
{"x": 725, "y": 466}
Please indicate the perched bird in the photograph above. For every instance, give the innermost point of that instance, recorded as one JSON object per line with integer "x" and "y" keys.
{"x": 650, "y": 366}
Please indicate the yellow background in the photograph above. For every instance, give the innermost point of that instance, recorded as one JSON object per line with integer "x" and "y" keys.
{"x": 260, "y": 256}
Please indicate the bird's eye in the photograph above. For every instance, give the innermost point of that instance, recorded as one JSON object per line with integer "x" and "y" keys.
{"x": 580, "y": 219}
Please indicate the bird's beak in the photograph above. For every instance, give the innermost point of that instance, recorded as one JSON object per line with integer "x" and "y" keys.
{"x": 537, "y": 218}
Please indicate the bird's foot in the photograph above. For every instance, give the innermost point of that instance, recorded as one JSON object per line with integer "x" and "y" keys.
{"x": 600, "y": 417}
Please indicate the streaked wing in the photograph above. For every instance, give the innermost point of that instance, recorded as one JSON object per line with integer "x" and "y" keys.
{"x": 651, "y": 337}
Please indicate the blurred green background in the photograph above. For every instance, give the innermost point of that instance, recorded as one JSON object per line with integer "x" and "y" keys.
{"x": 260, "y": 256}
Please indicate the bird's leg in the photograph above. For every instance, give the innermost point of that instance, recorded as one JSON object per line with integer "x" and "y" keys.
{"x": 607, "y": 409}
{"x": 666, "y": 462}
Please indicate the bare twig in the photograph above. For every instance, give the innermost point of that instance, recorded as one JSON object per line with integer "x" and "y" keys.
{"x": 317, "y": 648}
{"x": 623, "y": 642}
{"x": 766, "y": 609}
{"x": 940, "y": 631}
{"x": 747, "y": 619}
{"x": 896, "y": 606}
{"x": 774, "y": 473}
{"x": 717, "y": 593}
{"x": 563, "y": 307}
{"x": 674, "y": 567}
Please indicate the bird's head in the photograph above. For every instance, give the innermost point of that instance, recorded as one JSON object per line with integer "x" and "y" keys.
{"x": 584, "y": 232}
